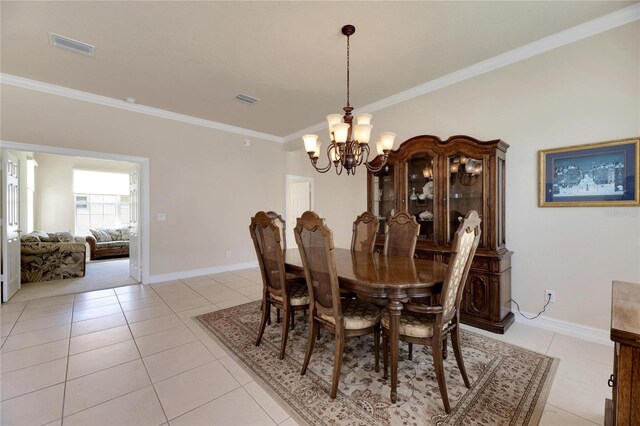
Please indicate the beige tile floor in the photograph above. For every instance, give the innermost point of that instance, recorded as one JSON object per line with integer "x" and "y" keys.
{"x": 134, "y": 355}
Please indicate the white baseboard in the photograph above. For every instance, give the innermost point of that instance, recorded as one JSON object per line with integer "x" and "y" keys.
{"x": 591, "y": 334}
{"x": 584, "y": 332}
{"x": 199, "y": 272}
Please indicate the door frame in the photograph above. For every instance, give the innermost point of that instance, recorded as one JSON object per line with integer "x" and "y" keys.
{"x": 289, "y": 179}
{"x": 143, "y": 186}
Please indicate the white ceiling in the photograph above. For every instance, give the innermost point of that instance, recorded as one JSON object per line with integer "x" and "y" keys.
{"x": 194, "y": 57}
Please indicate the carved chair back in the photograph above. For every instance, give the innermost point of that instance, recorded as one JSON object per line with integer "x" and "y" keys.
{"x": 364, "y": 233}
{"x": 315, "y": 242}
{"x": 266, "y": 241}
{"x": 465, "y": 243}
{"x": 280, "y": 223}
{"x": 401, "y": 234}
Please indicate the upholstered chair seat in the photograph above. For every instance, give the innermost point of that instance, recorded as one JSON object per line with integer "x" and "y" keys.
{"x": 413, "y": 325}
{"x": 298, "y": 293}
{"x": 356, "y": 315}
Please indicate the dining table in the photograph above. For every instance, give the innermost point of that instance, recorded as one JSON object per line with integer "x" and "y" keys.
{"x": 388, "y": 280}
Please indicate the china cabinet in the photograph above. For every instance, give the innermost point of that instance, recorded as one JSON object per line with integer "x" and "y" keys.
{"x": 438, "y": 182}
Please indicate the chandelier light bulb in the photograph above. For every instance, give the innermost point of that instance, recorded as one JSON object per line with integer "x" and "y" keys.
{"x": 379, "y": 147}
{"x": 363, "y": 118}
{"x": 387, "y": 139}
{"x": 316, "y": 154}
{"x": 333, "y": 119}
{"x": 341, "y": 132}
{"x": 334, "y": 155}
{"x": 310, "y": 142}
{"x": 362, "y": 132}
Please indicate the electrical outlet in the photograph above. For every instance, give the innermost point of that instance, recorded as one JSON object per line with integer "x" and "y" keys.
{"x": 227, "y": 254}
{"x": 550, "y": 296}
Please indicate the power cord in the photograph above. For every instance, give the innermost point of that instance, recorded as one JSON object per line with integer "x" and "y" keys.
{"x": 539, "y": 313}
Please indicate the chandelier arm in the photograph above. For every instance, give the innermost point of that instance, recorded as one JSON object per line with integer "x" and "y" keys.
{"x": 380, "y": 167}
{"x": 323, "y": 169}
{"x": 314, "y": 161}
{"x": 364, "y": 148}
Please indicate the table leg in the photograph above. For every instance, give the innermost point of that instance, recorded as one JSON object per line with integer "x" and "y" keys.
{"x": 395, "y": 308}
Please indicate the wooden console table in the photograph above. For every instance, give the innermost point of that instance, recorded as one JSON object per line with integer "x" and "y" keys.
{"x": 624, "y": 409}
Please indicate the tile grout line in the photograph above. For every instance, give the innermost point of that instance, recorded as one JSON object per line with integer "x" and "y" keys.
{"x": 155, "y": 391}
{"x": 211, "y": 400}
{"x": 553, "y": 337}
{"x": 66, "y": 373}
{"x": 260, "y": 405}
{"x": 13, "y": 326}
{"x": 574, "y": 414}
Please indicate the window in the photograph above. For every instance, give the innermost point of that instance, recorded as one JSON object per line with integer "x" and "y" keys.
{"x": 101, "y": 211}
{"x": 102, "y": 200}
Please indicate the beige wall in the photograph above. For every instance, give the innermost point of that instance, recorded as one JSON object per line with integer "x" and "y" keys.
{"x": 339, "y": 199}
{"x": 208, "y": 186}
{"x": 203, "y": 179}
{"x": 581, "y": 93}
{"x": 55, "y": 201}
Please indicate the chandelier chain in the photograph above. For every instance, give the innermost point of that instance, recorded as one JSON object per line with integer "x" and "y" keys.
{"x": 348, "y": 89}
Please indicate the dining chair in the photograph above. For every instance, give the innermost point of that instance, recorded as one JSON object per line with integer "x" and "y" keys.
{"x": 401, "y": 234}
{"x": 431, "y": 324}
{"x": 286, "y": 294}
{"x": 327, "y": 310}
{"x": 363, "y": 237}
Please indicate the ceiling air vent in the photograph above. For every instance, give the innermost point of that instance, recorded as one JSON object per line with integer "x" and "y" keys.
{"x": 70, "y": 44}
{"x": 246, "y": 99}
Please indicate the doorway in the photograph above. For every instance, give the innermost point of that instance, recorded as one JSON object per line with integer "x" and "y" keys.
{"x": 299, "y": 199}
{"x": 130, "y": 205}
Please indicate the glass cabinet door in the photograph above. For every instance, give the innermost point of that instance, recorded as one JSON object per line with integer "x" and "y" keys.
{"x": 384, "y": 196}
{"x": 466, "y": 190}
{"x": 420, "y": 194}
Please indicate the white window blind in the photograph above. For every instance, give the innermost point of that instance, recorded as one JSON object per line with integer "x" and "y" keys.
{"x": 100, "y": 183}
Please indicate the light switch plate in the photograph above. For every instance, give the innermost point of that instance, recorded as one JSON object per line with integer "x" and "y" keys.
{"x": 162, "y": 216}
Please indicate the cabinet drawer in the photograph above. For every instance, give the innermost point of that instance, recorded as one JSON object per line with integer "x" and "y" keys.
{"x": 481, "y": 263}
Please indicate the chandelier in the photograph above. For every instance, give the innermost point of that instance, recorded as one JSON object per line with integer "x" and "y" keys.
{"x": 349, "y": 143}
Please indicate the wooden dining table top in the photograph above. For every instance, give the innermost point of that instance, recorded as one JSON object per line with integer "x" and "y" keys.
{"x": 378, "y": 275}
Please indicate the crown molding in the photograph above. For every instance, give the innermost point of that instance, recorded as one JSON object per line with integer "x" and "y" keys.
{"x": 571, "y": 35}
{"x": 596, "y": 26}
{"x": 53, "y": 89}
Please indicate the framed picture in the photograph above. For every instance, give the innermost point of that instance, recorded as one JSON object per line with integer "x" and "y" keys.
{"x": 599, "y": 174}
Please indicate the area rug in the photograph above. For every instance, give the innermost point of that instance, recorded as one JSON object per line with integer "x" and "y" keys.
{"x": 509, "y": 384}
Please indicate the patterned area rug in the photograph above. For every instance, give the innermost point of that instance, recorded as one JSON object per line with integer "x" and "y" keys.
{"x": 509, "y": 384}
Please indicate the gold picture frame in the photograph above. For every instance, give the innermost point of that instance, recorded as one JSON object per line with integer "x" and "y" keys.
{"x": 603, "y": 174}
